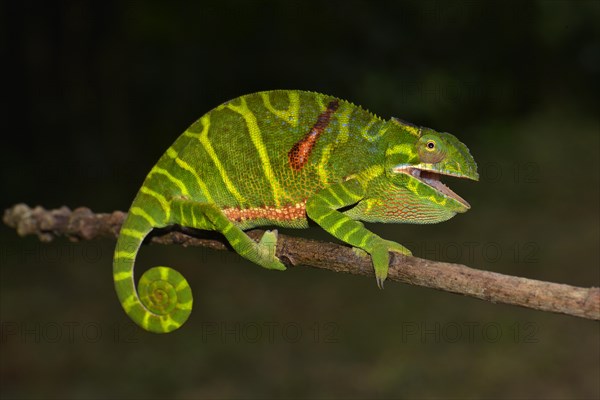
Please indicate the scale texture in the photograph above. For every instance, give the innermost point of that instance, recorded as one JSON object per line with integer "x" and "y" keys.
{"x": 281, "y": 158}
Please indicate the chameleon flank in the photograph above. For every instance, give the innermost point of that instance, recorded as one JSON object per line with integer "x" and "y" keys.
{"x": 282, "y": 158}
{"x": 300, "y": 152}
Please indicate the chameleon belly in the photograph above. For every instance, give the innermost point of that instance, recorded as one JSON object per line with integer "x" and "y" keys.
{"x": 280, "y": 158}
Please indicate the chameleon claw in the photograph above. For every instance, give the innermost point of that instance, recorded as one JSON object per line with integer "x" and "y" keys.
{"x": 381, "y": 259}
{"x": 380, "y": 271}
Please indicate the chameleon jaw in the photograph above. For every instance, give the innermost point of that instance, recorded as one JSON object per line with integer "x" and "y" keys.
{"x": 431, "y": 178}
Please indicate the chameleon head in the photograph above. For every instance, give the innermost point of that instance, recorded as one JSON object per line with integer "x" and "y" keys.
{"x": 421, "y": 156}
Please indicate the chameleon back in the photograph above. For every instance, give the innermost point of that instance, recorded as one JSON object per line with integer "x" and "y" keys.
{"x": 260, "y": 156}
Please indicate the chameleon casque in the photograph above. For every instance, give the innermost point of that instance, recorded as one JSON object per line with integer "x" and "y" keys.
{"x": 280, "y": 158}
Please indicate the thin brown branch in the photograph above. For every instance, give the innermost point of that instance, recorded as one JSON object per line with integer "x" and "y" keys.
{"x": 83, "y": 224}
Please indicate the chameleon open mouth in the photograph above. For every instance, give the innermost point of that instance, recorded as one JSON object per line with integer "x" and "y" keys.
{"x": 432, "y": 179}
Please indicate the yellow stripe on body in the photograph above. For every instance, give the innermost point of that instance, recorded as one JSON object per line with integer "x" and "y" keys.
{"x": 320, "y": 101}
{"x": 129, "y": 302}
{"x": 125, "y": 254}
{"x": 227, "y": 228}
{"x": 194, "y": 221}
{"x": 343, "y": 121}
{"x": 164, "y": 204}
{"x": 414, "y": 185}
{"x": 351, "y": 195}
{"x": 369, "y": 204}
{"x": 184, "y": 165}
{"x": 146, "y": 320}
{"x": 402, "y": 148}
{"x": 121, "y": 276}
{"x": 164, "y": 274}
{"x": 256, "y": 137}
{"x": 374, "y": 136}
{"x": 335, "y": 196}
{"x": 322, "y": 217}
{"x": 140, "y": 212}
{"x": 413, "y": 130}
{"x": 166, "y": 321}
{"x": 368, "y": 174}
{"x": 133, "y": 233}
{"x": 177, "y": 182}
{"x": 182, "y": 220}
{"x": 321, "y": 169}
{"x": 184, "y": 306}
{"x": 334, "y": 228}
{"x": 326, "y": 200}
{"x": 203, "y": 138}
{"x": 365, "y": 239}
{"x": 291, "y": 115}
{"x": 350, "y": 233}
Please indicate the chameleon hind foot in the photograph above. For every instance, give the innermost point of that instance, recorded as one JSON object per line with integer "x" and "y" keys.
{"x": 266, "y": 249}
{"x": 210, "y": 216}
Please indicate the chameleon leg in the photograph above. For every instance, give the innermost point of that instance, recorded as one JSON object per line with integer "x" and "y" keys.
{"x": 209, "y": 216}
{"x": 322, "y": 208}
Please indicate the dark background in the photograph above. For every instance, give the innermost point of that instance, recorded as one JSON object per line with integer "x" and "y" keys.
{"x": 95, "y": 91}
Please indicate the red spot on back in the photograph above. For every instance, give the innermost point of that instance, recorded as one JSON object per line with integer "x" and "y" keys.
{"x": 300, "y": 152}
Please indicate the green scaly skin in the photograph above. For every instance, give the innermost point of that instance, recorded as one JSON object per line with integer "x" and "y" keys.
{"x": 281, "y": 158}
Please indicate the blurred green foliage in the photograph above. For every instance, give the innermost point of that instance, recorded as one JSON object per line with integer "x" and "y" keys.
{"x": 96, "y": 91}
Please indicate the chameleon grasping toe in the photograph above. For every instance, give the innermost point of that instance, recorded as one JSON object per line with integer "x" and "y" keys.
{"x": 281, "y": 158}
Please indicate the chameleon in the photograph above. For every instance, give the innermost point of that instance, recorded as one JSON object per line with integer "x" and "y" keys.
{"x": 281, "y": 158}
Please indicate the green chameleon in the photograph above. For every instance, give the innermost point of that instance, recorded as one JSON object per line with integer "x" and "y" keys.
{"x": 281, "y": 158}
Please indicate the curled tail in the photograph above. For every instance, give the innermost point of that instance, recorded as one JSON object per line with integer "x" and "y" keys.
{"x": 163, "y": 300}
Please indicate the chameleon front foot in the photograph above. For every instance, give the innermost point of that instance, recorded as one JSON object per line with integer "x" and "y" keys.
{"x": 381, "y": 258}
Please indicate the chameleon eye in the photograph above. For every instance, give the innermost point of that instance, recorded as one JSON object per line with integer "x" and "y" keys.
{"x": 431, "y": 150}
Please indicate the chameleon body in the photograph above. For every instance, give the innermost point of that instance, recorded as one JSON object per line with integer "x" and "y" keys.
{"x": 281, "y": 158}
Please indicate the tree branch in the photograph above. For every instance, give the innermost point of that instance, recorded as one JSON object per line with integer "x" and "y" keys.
{"x": 83, "y": 224}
